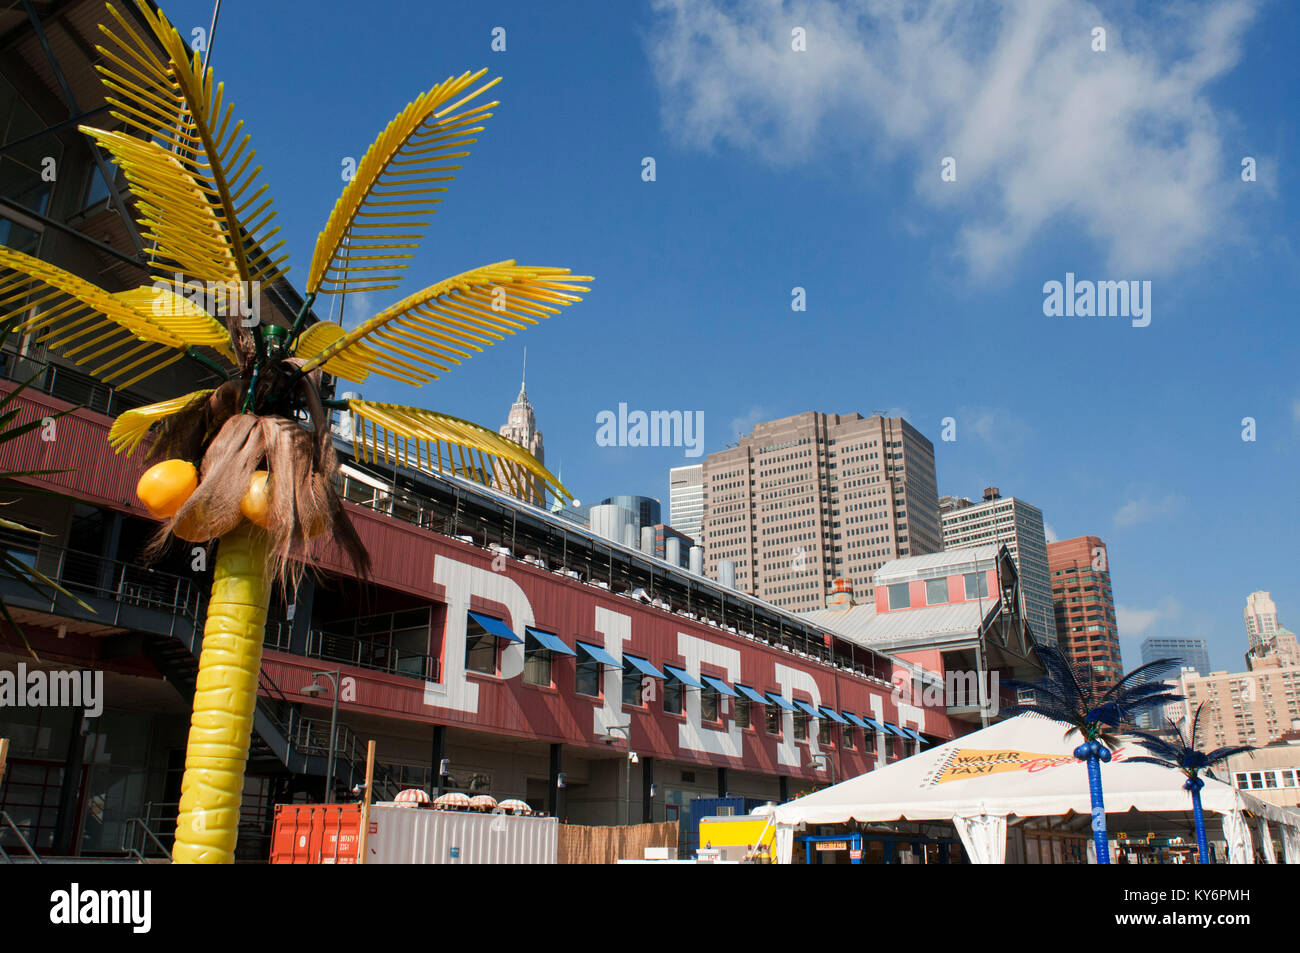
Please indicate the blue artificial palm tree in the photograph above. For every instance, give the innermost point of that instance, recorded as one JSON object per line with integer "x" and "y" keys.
{"x": 1184, "y": 755}
{"x": 1071, "y": 695}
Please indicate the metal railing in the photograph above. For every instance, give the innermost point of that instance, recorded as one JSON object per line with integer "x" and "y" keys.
{"x": 361, "y": 651}
{"x": 366, "y": 653}
{"x": 125, "y": 585}
{"x": 130, "y": 829}
{"x": 67, "y": 383}
{"x": 7, "y": 822}
{"x": 312, "y": 737}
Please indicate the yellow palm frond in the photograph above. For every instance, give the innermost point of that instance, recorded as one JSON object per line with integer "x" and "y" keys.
{"x": 110, "y": 334}
{"x": 442, "y": 324}
{"x": 130, "y": 427}
{"x": 368, "y": 238}
{"x": 437, "y": 443}
{"x": 352, "y": 364}
{"x": 177, "y": 104}
{"x": 173, "y": 211}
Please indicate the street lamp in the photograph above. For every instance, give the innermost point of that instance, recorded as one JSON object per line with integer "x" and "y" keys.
{"x": 313, "y": 690}
{"x": 631, "y": 760}
{"x": 827, "y": 763}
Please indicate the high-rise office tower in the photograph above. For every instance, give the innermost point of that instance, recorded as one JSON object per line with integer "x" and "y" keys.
{"x": 1084, "y": 608}
{"x": 1261, "y": 618}
{"x": 686, "y": 500}
{"x": 807, "y": 499}
{"x": 1191, "y": 653}
{"x": 1019, "y": 525}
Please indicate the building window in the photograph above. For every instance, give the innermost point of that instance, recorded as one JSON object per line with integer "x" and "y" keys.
{"x": 586, "y": 680}
{"x": 673, "y": 696}
{"x": 740, "y": 712}
{"x": 846, "y": 737}
{"x": 824, "y": 732}
{"x": 936, "y": 591}
{"x": 800, "y": 726}
{"x": 480, "y": 650}
{"x": 977, "y": 585}
{"x": 773, "y": 719}
{"x": 537, "y": 663}
{"x": 899, "y": 596}
{"x": 709, "y": 704}
{"x": 632, "y": 688}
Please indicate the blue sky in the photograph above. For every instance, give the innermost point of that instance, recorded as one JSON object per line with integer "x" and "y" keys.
{"x": 821, "y": 169}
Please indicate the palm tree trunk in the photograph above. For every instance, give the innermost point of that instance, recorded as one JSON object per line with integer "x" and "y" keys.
{"x": 1098, "y": 810}
{"x": 1203, "y": 849}
{"x": 224, "y": 698}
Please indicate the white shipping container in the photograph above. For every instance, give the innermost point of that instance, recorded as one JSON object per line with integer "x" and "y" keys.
{"x": 403, "y": 835}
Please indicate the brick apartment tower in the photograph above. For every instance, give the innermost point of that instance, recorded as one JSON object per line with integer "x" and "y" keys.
{"x": 1085, "y": 608}
{"x": 808, "y": 499}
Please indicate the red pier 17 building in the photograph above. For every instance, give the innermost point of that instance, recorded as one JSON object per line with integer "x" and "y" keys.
{"x": 529, "y": 655}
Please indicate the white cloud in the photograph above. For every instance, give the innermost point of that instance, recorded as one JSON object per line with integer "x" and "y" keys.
{"x": 1145, "y": 509}
{"x": 1050, "y": 532}
{"x": 1122, "y": 146}
{"x": 1132, "y": 621}
{"x": 745, "y": 423}
{"x": 991, "y": 426}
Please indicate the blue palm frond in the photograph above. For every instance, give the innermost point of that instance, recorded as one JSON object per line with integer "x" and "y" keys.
{"x": 1134, "y": 681}
{"x": 1160, "y": 762}
{"x": 1181, "y": 751}
{"x": 1222, "y": 754}
{"x": 1158, "y": 746}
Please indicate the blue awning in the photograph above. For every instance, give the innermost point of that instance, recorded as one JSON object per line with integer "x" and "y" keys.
{"x": 495, "y": 626}
{"x": 910, "y": 733}
{"x": 720, "y": 685}
{"x": 751, "y": 694}
{"x": 856, "y": 720}
{"x": 642, "y": 666}
{"x": 683, "y": 676}
{"x": 876, "y": 725}
{"x": 809, "y": 709}
{"x": 778, "y": 700}
{"x": 599, "y": 654}
{"x": 549, "y": 640}
{"x": 894, "y": 729}
{"x": 834, "y": 715}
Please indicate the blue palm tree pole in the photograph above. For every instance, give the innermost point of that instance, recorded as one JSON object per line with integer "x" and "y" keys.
{"x": 1202, "y": 847}
{"x": 1181, "y": 752}
{"x": 1074, "y": 697}
{"x": 1095, "y": 754}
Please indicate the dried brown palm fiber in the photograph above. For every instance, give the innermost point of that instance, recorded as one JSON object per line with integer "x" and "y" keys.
{"x": 325, "y": 471}
{"x": 213, "y": 509}
{"x": 185, "y": 434}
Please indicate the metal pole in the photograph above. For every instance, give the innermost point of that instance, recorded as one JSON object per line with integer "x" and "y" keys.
{"x": 334, "y": 723}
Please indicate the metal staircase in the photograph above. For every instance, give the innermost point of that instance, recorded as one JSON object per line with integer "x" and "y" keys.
{"x": 162, "y": 615}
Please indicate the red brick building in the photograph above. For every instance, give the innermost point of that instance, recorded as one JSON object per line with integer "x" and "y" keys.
{"x": 1085, "y": 607}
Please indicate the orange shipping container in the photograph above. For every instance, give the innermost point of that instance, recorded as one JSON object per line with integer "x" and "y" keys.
{"x": 316, "y": 834}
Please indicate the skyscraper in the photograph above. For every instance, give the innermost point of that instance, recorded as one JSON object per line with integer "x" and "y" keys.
{"x": 1192, "y": 653}
{"x": 686, "y": 500}
{"x": 521, "y": 428}
{"x": 807, "y": 499}
{"x": 1261, "y": 618}
{"x": 1019, "y": 525}
{"x": 1084, "y": 607}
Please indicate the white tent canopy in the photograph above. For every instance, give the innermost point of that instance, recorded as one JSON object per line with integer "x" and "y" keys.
{"x": 1022, "y": 767}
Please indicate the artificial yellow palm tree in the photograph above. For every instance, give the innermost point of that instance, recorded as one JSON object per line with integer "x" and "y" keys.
{"x": 192, "y": 173}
